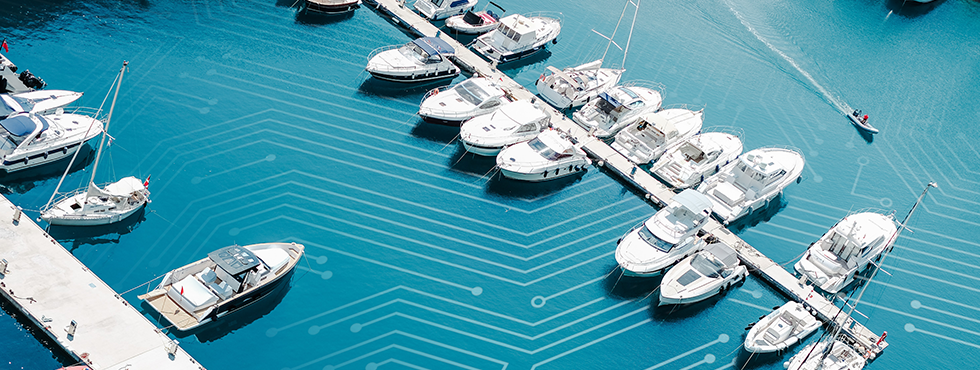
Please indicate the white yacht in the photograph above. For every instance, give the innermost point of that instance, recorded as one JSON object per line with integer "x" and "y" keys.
{"x": 439, "y": 9}
{"x": 781, "y": 328}
{"x": 332, "y": 6}
{"x": 513, "y": 123}
{"x": 666, "y": 238}
{"x": 465, "y": 100}
{"x": 752, "y": 181}
{"x": 848, "y": 248}
{"x": 228, "y": 279}
{"x": 710, "y": 271}
{"x": 35, "y": 101}
{"x": 646, "y": 139}
{"x": 815, "y": 356}
{"x": 94, "y": 205}
{"x": 473, "y": 22}
{"x": 690, "y": 161}
{"x": 517, "y": 36}
{"x": 616, "y": 108}
{"x": 422, "y": 59}
{"x": 29, "y": 140}
{"x": 548, "y": 156}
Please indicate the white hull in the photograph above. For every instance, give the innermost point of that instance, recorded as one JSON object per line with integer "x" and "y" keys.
{"x": 666, "y": 238}
{"x": 480, "y": 150}
{"x": 102, "y": 207}
{"x": 648, "y": 139}
{"x": 534, "y": 35}
{"x": 563, "y": 91}
{"x": 546, "y": 174}
{"x": 65, "y": 134}
{"x": 841, "y": 357}
{"x": 847, "y": 248}
{"x": 687, "y": 163}
{"x": 701, "y": 276}
{"x": 457, "y": 24}
{"x": 781, "y": 328}
{"x": 734, "y": 196}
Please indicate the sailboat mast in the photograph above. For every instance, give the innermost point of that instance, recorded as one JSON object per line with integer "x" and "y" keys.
{"x": 630, "y": 37}
{"x": 608, "y": 44}
{"x": 105, "y": 131}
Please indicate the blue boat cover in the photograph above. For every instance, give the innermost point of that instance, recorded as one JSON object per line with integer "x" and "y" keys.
{"x": 434, "y": 45}
{"x": 19, "y": 125}
{"x": 458, "y": 3}
{"x": 610, "y": 99}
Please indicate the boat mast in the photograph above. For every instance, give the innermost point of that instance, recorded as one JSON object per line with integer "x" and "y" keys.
{"x": 610, "y": 38}
{"x": 105, "y": 132}
{"x": 630, "y": 37}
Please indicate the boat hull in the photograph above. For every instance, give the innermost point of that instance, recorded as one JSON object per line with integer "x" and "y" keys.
{"x": 413, "y": 77}
{"x": 481, "y": 150}
{"x": 92, "y": 221}
{"x": 547, "y": 175}
{"x": 39, "y": 159}
{"x": 332, "y": 7}
{"x": 443, "y": 121}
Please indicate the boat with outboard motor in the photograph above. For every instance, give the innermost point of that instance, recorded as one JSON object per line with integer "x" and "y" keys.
{"x": 847, "y": 248}
{"x": 435, "y": 10}
{"x": 517, "y": 36}
{"x": 666, "y": 238}
{"x": 470, "y": 98}
{"x": 30, "y": 140}
{"x": 475, "y": 22}
{"x": 861, "y": 122}
{"x": 547, "y": 156}
{"x": 619, "y": 106}
{"x": 512, "y": 123}
{"x": 227, "y": 280}
{"x": 649, "y": 137}
{"x": 752, "y": 181}
{"x": 332, "y": 6}
{"x": 688, "y": 162}
{"x": 700, "y": 276}
{"x": 35, "y": 101}
{"x": 783, "y": 327}
{"x": 422, "y": 59}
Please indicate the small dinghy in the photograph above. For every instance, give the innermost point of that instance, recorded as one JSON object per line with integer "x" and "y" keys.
{"x": 332, "y": 6}
{"x": 474, "y": 23}
{"x": 690, "y": 161}
{"x": 861, "y": 121}
{"x": 513, "y": 123}
{"x": 440, "y": 9}
{"x": 35, "y": 101}
{"x": 467, "y": 99}
{"x": 649, "y": 137}
{"x": 711, "y": 271}
{"x": 517, "y": 36}
{"x": 423, "y": 59}
{"x": 548, "y": 156}
{"x": 227, "y": 280}
{"x": 667, "y": 237}
{"x": 781, "y": 328}
{"x": 749, "y": 183}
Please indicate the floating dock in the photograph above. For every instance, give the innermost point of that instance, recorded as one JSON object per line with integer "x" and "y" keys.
{"x": 7, "y": 71}
{"x": 862, "y": 338}
{"x": 82, "y": 314}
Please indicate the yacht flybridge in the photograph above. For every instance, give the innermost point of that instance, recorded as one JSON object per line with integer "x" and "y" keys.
{"x": 704, "y": 274}
{"x": 619, "y": 106}
{"x": 548, "y": 156}
{"x": 228, "y": 279}
{"x": 465, "y": 100}
{"x": 647, "y": 138}
{"x": 35, "y": 101}
{"x": 422, "y": 59}
{"x": 688, "y": 162}
{"x": 847, "y": 248}
{"x": 781, "y": 328}
{"x": 30, "y": 140}
{"x": 439, "y": 9}
{"x": 513, "y": 123}
{"x": 752, "y": 181}
{"x": 517, "y": 36}
{"x": 666, "y": 238}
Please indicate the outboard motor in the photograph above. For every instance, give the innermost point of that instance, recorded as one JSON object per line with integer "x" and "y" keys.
{"x": 31, "y": 81}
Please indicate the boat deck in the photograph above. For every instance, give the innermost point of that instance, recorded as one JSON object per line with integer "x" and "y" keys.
{"x": 14, "y": 85}
{"x": 53, "y": 288}
{"x": 655, "y": 191}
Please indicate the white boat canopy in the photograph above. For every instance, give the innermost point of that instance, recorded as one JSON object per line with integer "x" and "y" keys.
{"x": 694, "y": 201}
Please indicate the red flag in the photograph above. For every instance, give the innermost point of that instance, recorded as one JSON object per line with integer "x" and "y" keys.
{"x": 5, "y": 50}
{"x": 147, "y": 182}
{"x": 181, "y": 290}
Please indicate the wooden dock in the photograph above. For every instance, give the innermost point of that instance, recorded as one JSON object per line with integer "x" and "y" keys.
{"x": 863, "y": 339}
{"x": 54, "y": 289}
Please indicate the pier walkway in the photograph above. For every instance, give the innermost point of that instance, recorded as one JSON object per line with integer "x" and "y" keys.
{"x": 14, "y": 85}
{"x": 53, "y": 289}
{"x": 864, "y": 340}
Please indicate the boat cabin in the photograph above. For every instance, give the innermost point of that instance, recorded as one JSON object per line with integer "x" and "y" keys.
{"x": 551, "y": 146}
{"x": 608, "y": 103}
{"x": 757, "y": 171}
{"x": 514, "y": 32}
{"x": 427, "y": 50}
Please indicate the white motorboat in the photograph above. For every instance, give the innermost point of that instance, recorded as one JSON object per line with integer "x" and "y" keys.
{"x": 439, "y": 9}
{"x": 815, "y": 356}
{"x": 228, "y": 279}
{"x": 422, "y": 59}
{"x": 617, "y": 107}
{"x": 94, "y": 205}
{"x": 548, "y": 156}
{"x": 646, "y": 139}
{"x": 474, "y": 23}
{"x": 781, "y": 328}
{"x": 513, "y": 123}
{"x": 667, "y": 237}
{"x": 517, "y": 36}
{"x": 35, "y": 101}
{"x": 752, "y": 181}
{"x": 332, "y": 6}
{"x": 846, "y": 249}
{"x": 710, "y": 271}
{"x": 465, "y": 100}
{"x": 690, "y": 161}
{"x": 30, "y": 140}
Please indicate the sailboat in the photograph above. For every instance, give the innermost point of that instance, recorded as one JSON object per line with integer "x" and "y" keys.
{"x": 95, "y": 205}
{"x": 575, "y": 86}
{"x": 835, "y": 351}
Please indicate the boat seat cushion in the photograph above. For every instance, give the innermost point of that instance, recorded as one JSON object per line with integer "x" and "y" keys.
{"x": 729, "y": 194}
{"x": 190, "y": 294}
{"x": 274, "y": 258}
{"x": 223, "y": 289}
{"x": 207, "y": 276}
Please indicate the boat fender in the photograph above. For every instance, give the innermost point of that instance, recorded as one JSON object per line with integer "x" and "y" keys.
{"x": 554, "y": 41}
{"x": 45, "y": 155}
{"x": 64, "y": 151}
{"x": 798, "y": 179}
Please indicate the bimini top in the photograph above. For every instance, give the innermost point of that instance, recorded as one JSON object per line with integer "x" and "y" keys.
{"x": 19, "y": 125}
{"x": 434, "y": 45}
{"x": 234, "y": 259}
{"x": 694, "y": 201}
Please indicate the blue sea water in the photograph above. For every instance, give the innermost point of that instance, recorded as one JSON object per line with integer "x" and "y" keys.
{"x": 258, "y": 123}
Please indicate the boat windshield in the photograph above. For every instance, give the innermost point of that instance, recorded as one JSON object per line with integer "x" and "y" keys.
{"x": 707, "y": 266}
{"x": 653, "y": 240}
{"x": 414, "y": 52}
{"x": 471, "y": 92}
{"x": 543, "y": 149}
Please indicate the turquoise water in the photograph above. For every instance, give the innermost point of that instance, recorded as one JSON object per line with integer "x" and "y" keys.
{"x": 259, "y": 124}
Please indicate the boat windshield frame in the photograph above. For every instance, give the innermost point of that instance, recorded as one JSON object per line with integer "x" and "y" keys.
{"x": 647, "y": 235}
{"x": 708, "y": 266}
{"x": 471, "y": 92}
{"x": 412, "y": 51}
{"x": 543, "y": 149}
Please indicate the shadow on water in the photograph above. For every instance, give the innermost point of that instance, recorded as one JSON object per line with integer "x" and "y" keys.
{"x": 867, "y": 136}
{"x": 375, "y": 87}
{"x": 57, "y": 352}
{"x": 476, "y": 165}
{"x": 760, "y": 215}
{"x": 911, "y": 9}
{"x": 621, "y": 286}
{"x": 683, "y": 311}
{"x": 747, "y": 360}
{"x": 94, "y": 235}
{"x": 535, "y": 58}
{"x": 311, "y": 18}
{"x": 444, "y": 134}
{"x": 24, "y": 180}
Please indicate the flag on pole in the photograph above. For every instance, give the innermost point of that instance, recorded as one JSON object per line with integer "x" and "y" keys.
{"x": 147, "y": 182}
{"x": 5, "y": 50}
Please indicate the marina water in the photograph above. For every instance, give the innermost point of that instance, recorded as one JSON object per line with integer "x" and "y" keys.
{"x": 258, "y": 123}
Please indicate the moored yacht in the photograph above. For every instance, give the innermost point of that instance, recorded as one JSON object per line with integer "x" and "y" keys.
{"x": 465, "y": 100}
{"x": 473, "y": 22}
{"x": 227, "y": 280}
{"x": 513, "y": 123}
{"x": 575, "y": 86}
{"x": 29, "y": 140}
{"x": 690, "y": 161}
{"x": 667, "y": 237}
{"x": 517, "y": 36}
{"x": 547, "y": 156}
{"x": 781, "y": 328}
{"x": 422, "y": 59}
{"x": 752, "y": 181}
{"x": 647, "y": 138}
{"x": 846, "y": 249}
{"x": 817, "y": 356}
{"x": 439, "y": 9}
{"x": 332, "y": 6}
{"x": 35, "y": 101}
{"x": 619, "y": 106}
{"x": 710, "y": 271}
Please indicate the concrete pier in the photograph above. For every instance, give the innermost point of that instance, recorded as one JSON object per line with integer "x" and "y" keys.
{"x": 14, "y": 85}
{"x": 82, "y": 314}
{"x": 864, "y": 340}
